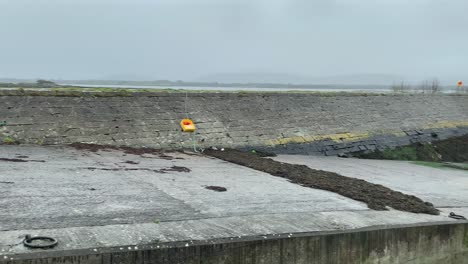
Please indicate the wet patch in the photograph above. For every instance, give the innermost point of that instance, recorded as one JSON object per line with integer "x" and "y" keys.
{"x": 123, "y": 169}
{"x": 6, "y": 182}
{"x": 13, "y": 160}
{"x": 166, "y": 157}
{"x": 92, "y": 147}
{"x": 19, "y": 160}
{"x": 216, "y": 188}
{"x": 163, "y": 170}
{"x": 127, "y": 150}
{"x": 177, "y": 169}
{"x": 131, "y": 162}
{"x": 376, "y": 196}
{"x": 22, "y": 156}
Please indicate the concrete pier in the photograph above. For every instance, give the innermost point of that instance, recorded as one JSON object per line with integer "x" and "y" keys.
{"x": 113, "y": 207}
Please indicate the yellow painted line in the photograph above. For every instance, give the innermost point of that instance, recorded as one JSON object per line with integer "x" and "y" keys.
{"x": 448, "y": 124}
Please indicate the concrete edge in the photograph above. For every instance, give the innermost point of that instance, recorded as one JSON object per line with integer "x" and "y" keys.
{"x": 41, "y": 254}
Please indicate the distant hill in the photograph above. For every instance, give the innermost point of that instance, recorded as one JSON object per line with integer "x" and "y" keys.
{"x": 169, "y": 84}
{"x": 364, "y": 79}
{"x": 354, "y": 79}
{"x": 270, "y": 80}
{"x": 254, "y": 78}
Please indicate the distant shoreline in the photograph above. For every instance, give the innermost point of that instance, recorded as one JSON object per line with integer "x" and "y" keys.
{"x": 216, "y": 84}
{"x": 166, "y": 83}
{"x": 210, "y": 86}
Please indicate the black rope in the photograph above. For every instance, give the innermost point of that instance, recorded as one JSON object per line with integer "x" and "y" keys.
{"x": 50, "y": 242}
{"x": 455, "y": 216}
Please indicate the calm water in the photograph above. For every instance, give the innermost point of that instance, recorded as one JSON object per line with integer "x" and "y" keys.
{"x": 204, "y": 88}
{"x": 285, "y": 89}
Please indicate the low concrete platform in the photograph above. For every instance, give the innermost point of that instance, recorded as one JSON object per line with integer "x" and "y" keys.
{"x": 110, "y": 201}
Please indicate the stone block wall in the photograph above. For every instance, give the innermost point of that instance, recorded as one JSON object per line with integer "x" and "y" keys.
{"x": 282, "y": 122}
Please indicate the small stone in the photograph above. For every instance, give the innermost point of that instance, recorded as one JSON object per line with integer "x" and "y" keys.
{"x": 343, "y": 155}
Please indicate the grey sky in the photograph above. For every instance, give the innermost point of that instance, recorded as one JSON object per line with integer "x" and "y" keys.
{"x": 189, "y": 39}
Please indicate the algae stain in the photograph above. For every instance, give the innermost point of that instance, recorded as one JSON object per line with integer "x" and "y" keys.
{"x": 431, "y": 164}
{"x": 350, "y": 136}
{"x": 338, "y": 137}
{"x": 8, "y": 141}
{"x": 465, "y": 239}
{"x": 448, "y": 124}
{"x": 402, "y": 153}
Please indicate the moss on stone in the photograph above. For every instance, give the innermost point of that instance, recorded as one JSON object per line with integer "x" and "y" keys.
{"x": 465, "y": 239}
{"x": 452, "y": 151}
{"x": 8, "y": 141}
{"x": 423, "y": 151}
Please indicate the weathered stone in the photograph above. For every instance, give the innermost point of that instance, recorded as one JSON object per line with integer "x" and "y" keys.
{"x": 306, "y": 123}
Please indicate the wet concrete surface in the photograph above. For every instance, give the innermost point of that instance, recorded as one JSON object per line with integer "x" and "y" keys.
{"x": 65, "y": 192}
{"x": 86, "y": 208}
{"x": 444, "y": 187}
{"x": 376, "y": 196}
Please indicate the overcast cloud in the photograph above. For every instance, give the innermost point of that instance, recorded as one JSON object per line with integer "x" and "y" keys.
{"x": 189, "y": 39}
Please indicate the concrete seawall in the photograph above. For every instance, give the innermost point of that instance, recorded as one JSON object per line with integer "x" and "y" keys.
{"x": 422, "y": 244}
{"x": 283, "y": 122}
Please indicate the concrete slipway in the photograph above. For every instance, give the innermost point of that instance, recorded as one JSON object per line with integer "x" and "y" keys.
{"x": 109, "y": 202}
